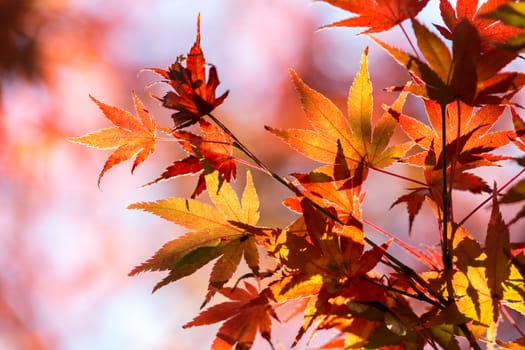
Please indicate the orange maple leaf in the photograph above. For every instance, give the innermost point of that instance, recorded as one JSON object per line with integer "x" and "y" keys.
{"x": 130, "y": 137}
{"x": 193, "y": 96}
{"x": 246, "y": 313}
{"x": 336, "y": 137}
{"x": 469, "y": 144}
{"x": 468, "y": 137}
{"x": 378, "y": 15}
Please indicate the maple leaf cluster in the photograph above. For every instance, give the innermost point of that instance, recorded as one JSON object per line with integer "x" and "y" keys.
{"x": 323, "y": 264}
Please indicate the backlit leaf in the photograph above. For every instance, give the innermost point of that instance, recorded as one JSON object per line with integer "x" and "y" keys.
{"x": 334, "y": 135}
{"x": 130, "y": 137}
{"x": 378, "y": 15}
{"x": 472, "y": 75}
{"x": 509, "y": 13}
{"x": 497, "y": 247}
{"x": 246, "y": 315}
{"x": 435, "y": 51}
{"x": 214, "y": 146}
{"x": 471, "y": 289}
{"x": 214, "y": 235}
{"x": 485, "y": 19}
{"x": 192, "y": 97}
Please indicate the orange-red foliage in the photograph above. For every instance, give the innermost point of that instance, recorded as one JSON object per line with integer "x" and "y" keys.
{"x": 369, "y": 296}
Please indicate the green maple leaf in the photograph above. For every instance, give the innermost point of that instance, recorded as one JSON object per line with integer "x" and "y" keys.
{"x": 213, "y": 235}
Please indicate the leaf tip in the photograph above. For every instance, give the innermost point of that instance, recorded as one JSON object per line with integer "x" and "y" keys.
{"x": 198, "y": 39}
{"x": 294, "y": 75}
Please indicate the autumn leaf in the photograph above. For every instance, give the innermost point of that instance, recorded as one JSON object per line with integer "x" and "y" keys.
{"x": 359, "y": 141}
{"x": 466, "y": 285}
{"x": 512, "y": 14}
{"x": 516, "y": 344}
{"x": 130, "y": 137}
{"x": 517, "y": 192}
{"x": 414, "y": 201}
{"x": 468, "y": 73}
{"x": 486, "y": 19}
{"x": 193, "y": 96}
{"x": 519, "y": 127}
{"x": 469, "y": 138}
{"x": 377, "y": 15}
{"x": 323, "y": 187}
{"x": 477, "y": 287}
{"x": 324, "y": 262}
{"x": 214, "y": 147}
{"x": 247, "y": 313}
{"x": 213, "y": 235}
{"x": 497, "y": 248}
{"x": 469, "y": 144}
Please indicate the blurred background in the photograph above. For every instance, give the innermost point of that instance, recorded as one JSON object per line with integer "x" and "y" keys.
{"x": 67, "y": 246}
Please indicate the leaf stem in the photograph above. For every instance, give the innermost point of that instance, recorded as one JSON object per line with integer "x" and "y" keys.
{"x": 489, "y": 198}
{"x": 419, "y": 296}
{"x": 511, "y": 320}
{"x": 409, "y": 40}
{"x": 392, "y": 261}
{"x": 447, "y": 259}
{"x": 239, "y": 145}
{"x": 453, "y": 170}
{"x": 417, "y": 254}
{"x": 398, "y": 176}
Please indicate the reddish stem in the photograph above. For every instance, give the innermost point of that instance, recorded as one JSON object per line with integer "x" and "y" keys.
{"x": 409, "y": 40}
{"x": 510, "y": 319}
{"x": 399, "y": 176}
{"x": 488, "y": 199}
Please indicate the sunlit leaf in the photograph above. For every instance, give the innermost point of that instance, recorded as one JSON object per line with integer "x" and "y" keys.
{"x": 214, "y": 235}
{"x": 471, "y": 284}
{"x": 497, "y": 248}
{"x": 472, "y": 75}
{"x": 486, "y": 19}
{"x": 247, "y": 314}
{"x": 214, "y": 147}
{"x": 130, "y": 137}
{"x": 193, "y": 96}
{"x": 359, "y": 142}
{"x": 509, "y": 13}
{"x": 379, "y": 15}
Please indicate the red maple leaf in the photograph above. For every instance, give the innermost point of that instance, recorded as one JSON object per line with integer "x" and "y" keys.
{"x": 468, "y": 73}
{"x": 214, "y": 147}
{"x": 193, "y": 96}
{"x": 491, "y": 31}
{"x": 247, "y": 312}
{"x": 378, "y": 15}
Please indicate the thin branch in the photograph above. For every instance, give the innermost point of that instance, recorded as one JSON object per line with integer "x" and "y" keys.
{"x": 447, "y": 259}
{"x": 509, "y": 318}
{"x": 399, "y": 176}
{"x": 419, "y": 296}
{"x": 409, "y": 40}
{"x": 489, "y": 198}
{"x": 397, "y": 264}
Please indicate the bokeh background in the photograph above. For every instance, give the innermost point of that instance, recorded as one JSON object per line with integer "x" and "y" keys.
{"x": 67, "y": 245}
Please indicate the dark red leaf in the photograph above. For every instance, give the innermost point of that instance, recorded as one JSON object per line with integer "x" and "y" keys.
{"x": 193, "y": 97}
